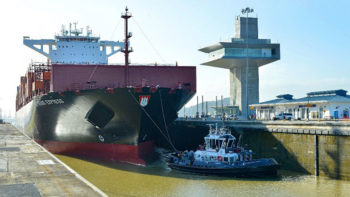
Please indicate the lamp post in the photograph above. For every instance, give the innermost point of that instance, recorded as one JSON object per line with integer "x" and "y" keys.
{"x": 247, "y": 10}
{"x": 216, "y": 107}
{"x": 307, "y": 107}
{"x": 197, "y": 113}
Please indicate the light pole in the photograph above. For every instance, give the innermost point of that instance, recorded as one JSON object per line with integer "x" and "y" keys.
{"x": 307, "y": 107}
{"x": 197, "y": 113}
{"x": 247, "y": 10}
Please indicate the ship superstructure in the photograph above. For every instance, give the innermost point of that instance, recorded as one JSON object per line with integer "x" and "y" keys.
{"x": 78, "y": 104}
{"x": 72, "y": 47}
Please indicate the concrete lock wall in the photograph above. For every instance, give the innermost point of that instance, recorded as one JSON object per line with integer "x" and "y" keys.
{"x": 298, "y": 152}
{"x": 335, "y": 156}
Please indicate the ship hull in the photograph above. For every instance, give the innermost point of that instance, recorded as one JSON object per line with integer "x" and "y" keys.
{"x": 135, "y": 154}
{"x": 103, "y": 124}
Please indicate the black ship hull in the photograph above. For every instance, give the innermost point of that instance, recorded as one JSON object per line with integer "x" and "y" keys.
{"x": 109, "y": 124}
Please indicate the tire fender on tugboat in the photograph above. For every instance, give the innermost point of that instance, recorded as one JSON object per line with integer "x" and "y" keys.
{"x": 219, "y": 158}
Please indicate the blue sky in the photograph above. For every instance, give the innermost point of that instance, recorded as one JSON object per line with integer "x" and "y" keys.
{"x": 314, "y": 37}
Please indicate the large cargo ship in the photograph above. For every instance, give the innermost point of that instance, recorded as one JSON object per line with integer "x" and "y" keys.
{"x": 78, "y": 104}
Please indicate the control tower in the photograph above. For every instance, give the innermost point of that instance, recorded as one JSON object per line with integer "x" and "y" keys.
{"x": 244, "y": 66}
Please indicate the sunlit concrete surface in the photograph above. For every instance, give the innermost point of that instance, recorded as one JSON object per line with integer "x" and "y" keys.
{"x": 26, "y": 169}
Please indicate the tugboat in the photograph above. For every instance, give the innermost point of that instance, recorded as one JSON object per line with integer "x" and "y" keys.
{"x": 222, "y": 155}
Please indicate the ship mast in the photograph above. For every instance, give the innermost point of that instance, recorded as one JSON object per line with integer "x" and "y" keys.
{"x": 126, "y": 49}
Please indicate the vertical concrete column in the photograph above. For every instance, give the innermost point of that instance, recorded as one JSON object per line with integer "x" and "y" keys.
{"x": 253, "y": 85}
{"x": 238, "y": 87}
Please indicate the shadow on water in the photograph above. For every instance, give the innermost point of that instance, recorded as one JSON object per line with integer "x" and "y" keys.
{"x": 160, "y": 168}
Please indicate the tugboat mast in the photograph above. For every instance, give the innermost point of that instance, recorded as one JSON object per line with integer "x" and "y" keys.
{"x": 126, "y": 49}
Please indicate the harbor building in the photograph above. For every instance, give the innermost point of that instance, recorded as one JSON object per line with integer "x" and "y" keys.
{"x": 326, "y": 105}
{"x": 243, "y": 55}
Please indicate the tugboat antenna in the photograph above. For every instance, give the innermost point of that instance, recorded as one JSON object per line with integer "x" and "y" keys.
{"x": 126, "y": 50}
{"x": 222, "y": 110}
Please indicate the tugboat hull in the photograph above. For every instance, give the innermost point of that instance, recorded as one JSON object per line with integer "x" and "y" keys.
{"x": 267, "y": 166}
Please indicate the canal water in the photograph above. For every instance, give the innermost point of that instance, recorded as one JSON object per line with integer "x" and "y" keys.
{"x": 117, "y": 179}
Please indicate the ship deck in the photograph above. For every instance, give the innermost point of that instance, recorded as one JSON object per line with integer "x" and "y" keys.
{"x": 28, "y": 169}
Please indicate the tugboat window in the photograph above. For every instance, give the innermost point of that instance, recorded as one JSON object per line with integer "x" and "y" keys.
{"x": 229, "y": 144}
{"x": 207, "y": 143}
{"x": 220, "y": 143}
{"x": 212, "y": 143}
{"x": 217, "y": 143}
{"x": 225, "y": 159}
{"x": 231, "y": 159}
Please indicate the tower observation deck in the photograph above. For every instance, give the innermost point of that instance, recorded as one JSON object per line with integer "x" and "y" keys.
{"x": 232, "y": 54}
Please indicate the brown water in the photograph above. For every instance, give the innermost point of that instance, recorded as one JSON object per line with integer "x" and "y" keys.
{"x": 159, "y": 180}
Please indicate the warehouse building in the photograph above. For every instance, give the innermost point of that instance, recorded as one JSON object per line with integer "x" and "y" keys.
{"x": 332, "y": 104}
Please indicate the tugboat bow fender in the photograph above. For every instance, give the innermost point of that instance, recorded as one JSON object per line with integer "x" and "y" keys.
{"x": 219, "y": 158}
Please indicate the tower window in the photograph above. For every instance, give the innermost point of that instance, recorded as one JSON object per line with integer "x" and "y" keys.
{"x": 273, "y": 51}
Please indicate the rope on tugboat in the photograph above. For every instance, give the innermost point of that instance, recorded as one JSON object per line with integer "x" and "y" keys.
{"x": 155, "y": 124}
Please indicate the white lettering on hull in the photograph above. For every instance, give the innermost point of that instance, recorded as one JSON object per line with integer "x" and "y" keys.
{"x": 50, "y": 102}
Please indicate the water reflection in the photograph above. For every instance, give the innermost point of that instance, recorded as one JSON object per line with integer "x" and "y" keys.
{"x": 117, "y": 179}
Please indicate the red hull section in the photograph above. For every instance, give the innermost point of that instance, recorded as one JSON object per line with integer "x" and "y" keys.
{"x": 134, "y": 154}
{"x": 75, "y": 77}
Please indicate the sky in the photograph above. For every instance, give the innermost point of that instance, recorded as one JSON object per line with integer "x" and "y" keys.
{"x": 314, "y": 37}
